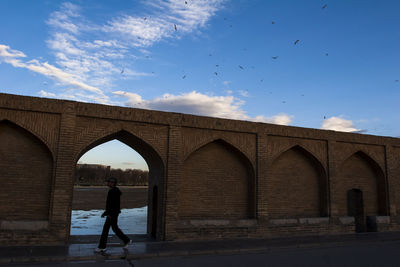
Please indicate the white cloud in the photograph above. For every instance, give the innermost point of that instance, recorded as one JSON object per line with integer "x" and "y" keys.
{"x": 46, "y": 94}
{"x": 200, "y": 104}
{"x": 62, "y": 19}
{"x": 11, "y": 56}
{"x": 281, "y": 119}
{"x": 243, "y": 93}
{"x": 100, "y": 54}
{"x": 166, "y": 19}
{"x": 339, "y": 124}
{"x": 7, "y": 53}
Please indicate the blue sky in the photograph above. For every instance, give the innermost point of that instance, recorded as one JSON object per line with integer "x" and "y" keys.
{"x": 233, "y": 59}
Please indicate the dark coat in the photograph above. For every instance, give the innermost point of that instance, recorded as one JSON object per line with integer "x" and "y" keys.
{"x": 113, "y": 202}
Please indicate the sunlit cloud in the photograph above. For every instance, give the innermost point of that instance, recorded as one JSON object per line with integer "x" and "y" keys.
{"x": 167, "y": 19}
{"x": 339, "y": 124}
{"x": 200, "y": 104}
{"x": 102, "y": 54}
{"x": 15, "y": 58}
{"x": 281, "y": 119}
{"x": 7, "y": 53}
{"x": 46, "y": 94}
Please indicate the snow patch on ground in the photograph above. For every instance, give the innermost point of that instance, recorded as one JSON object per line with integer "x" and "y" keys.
{"x": 89, "y": 222}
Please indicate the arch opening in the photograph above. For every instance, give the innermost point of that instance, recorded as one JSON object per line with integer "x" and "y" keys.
{"x": 27, "y": 173}
{"x": 217, "y": 182}
{"x": 362, "y": 172}
{"x": 138, "y": 169}
{"x": 297, "y": 186}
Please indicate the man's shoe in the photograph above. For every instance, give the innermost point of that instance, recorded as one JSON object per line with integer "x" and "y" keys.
{"x": 100, "y": 250}
{"x": 127, "y": 244}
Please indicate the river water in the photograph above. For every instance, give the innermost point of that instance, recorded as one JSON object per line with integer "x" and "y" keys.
{"x": 89, "y": 222}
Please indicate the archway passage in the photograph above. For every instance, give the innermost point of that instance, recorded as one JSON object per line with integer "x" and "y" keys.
{"x": 297, "y": 186}
{"x": 217, "y": 183}
{"x": 110, "y": 159}
{"x": 26, "y": 175}
{"x": 154, "y": 179}
{"x": 362, "y": 172}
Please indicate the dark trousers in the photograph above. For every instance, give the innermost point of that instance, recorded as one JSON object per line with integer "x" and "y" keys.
{"x": 113, "y": 222}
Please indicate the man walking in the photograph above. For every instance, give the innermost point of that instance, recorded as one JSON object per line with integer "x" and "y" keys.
{"x": 112, "y": 212}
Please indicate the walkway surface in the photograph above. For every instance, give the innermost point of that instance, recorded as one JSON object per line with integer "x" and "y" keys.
{"x": 83, "y": 247}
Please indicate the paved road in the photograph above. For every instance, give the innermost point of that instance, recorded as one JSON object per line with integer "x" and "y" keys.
{"x": 380, "y": 254}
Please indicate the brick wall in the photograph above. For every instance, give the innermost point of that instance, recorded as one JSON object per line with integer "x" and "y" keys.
{"x": 296, "y": 186}
{"x": 216, "y": 182}
{"x": 215, "y": 178}
{"x": 360, "y": 172}
{"x": 26, "y": 175}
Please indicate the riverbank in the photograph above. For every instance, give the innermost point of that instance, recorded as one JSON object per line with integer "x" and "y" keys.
{"x": 94, "y": 197}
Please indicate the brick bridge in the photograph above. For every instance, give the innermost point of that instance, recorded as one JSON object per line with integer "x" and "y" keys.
{"x": 209, "y": 178}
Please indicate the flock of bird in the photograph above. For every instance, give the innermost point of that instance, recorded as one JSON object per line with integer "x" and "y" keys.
{"x": 216, "y": 73}
{"x": 296, "y": 42}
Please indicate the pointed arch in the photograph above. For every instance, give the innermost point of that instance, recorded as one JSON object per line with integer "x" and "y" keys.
{"x": 32, "y": 132}
{"x": 298, "y": 185}
{"x": 149, "y": 153}
{"x": 210, "y": 140}
{"x": 362, "y": 172}
{"x": 156, "y": 174}
{"x": 218, "y": 181}
{"x": 26, "y": 176}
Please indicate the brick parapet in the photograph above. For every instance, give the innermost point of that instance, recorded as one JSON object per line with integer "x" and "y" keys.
{"x": 16, "y": 102}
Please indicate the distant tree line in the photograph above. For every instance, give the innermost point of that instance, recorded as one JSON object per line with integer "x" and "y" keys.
{"x": 95, "y": 174}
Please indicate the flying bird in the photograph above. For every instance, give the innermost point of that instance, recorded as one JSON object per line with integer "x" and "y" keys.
{"x": 273, "y": 22}
{"x": 216, "y": 73}
{"x": 283, "y": 102}
{"x": 122, "y": 71}
{"x": 275, "y": 57}
{"x": 217, "y": 65}
{"x": 396, "y": 81}
{"x": 324, "y": 6}
{"x": 185, "y": 2}
{"x": 295, "y": 43}
{"x": 241, "y": 67}
{"x": 184, "y": 76}
{"x": 326, "y": 54}
{"x": 175, "y": 27}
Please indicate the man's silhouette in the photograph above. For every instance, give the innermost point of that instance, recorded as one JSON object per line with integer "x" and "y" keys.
{"x": 112, "y": 212}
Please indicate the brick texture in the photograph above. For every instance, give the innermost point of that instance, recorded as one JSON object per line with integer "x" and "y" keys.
{"x": 360, "y": 172}
{"x": 26, "y": 165}
{"x": 216, "y": 182}
{"x": 296, "y": 186}
{"x": 214, "y": 178}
